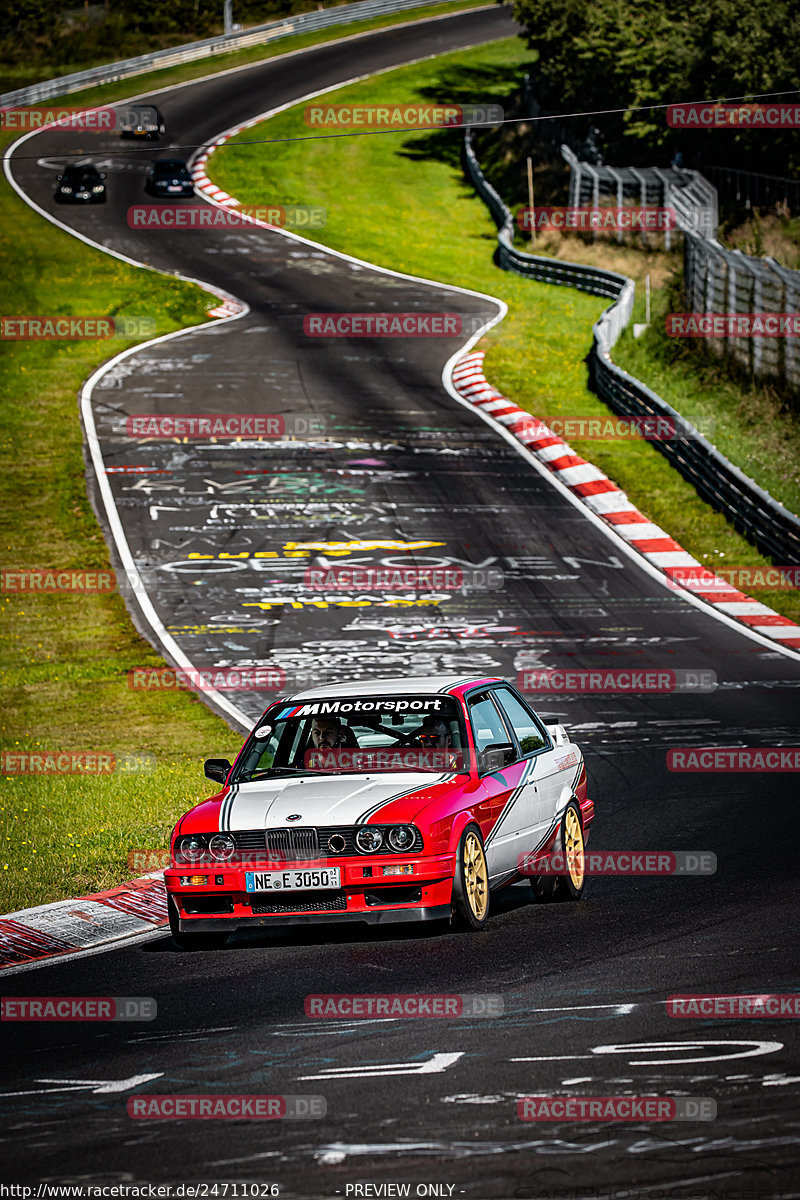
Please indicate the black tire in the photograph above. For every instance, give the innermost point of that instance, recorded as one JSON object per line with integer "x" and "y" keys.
{"x": 470, "y": 899}
{"x": 569, "y": 841}
{"x": 191, "y": 941}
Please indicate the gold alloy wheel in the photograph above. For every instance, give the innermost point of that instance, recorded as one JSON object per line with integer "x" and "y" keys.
{"x": 475, "y": 876}
{"x": 573, "y": 847}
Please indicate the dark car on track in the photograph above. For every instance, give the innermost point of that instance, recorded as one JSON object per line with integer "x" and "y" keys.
{"x": 141, "y": 121}
{"x": 81, "y": 184}
{"x": 169, "y": 177}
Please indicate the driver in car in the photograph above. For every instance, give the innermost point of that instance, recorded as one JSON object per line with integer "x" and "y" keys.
{"x": 328, "y": 733}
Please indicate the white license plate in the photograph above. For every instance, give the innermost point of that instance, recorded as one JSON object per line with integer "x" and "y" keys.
{"x": 296, "y": 880}
{"x": 174, "y": 187}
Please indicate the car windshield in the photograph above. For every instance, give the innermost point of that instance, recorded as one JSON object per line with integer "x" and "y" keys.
{"x": 81, "y": 174}
{"x": 142, "y": 116}
{"x": 169, "y": 166}
{"x": 356, "y": 735}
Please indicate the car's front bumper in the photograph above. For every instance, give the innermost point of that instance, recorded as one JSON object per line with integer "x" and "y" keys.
{"x": 223, "y": 901}
{"x": 372, "y": 917}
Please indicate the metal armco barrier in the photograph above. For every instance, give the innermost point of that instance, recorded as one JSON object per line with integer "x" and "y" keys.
{"x": 752, "y": 511}
{"x": 223, "y": 44}
{"x": 721, "y": 280}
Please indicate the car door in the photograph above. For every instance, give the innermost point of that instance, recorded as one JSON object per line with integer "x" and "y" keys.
{"x": 499, "y": 783}
{"x": 544, "y": 779}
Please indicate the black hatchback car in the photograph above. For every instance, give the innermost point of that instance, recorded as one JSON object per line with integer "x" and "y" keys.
{"x": 169, "y": 177}
{"x": 141, "y": 121}
{"x": 81, "y": 184}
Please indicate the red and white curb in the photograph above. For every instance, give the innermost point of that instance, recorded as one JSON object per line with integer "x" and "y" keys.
{"x": 209, "y": 189}
{"x": 211, "y": 192}
{"x": 53, "y": 930}
{"x": 610, "y": 503}
{"x": 201, "y": 181}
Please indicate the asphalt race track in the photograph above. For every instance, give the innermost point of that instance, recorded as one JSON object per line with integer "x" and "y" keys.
{"x": 428, "y": 1101}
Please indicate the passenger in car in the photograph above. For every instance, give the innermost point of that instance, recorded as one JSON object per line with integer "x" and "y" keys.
{"x": 434, "y": 733}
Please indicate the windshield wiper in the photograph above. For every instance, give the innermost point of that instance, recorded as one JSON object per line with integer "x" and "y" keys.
{"x": 266, "y": 771}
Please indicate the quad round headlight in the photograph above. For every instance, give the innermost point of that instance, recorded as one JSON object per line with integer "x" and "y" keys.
{"x": 193, "y": 847}
{"x": 222, "y": 846}
{"x": 369, "y": 839}
{"x": 401, "y": 837}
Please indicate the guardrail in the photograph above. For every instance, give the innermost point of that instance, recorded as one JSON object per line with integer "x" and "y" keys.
{"x": 752, "y": 511}
{"x": 344, "y": 14}
{"x": 717, "y": 280}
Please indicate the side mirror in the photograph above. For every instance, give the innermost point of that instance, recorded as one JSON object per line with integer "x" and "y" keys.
{"x": 102, "y": 174}
{"x": 217, "y": 769}
{"x": 59, "y": 178}
{"x": 495, "y": 756}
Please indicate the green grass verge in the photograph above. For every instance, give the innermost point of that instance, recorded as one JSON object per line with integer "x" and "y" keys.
{"x": 755, "y": 427}
{"x": 401, "y": 200}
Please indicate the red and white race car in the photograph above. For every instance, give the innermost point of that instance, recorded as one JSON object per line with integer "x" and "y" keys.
{"x": 387, "y": 800}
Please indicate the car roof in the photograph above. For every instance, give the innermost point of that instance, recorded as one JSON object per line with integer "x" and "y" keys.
{"x": 402, "y": 684}
{"x": 75, "y": 167}
{"x": 169, "y": 162}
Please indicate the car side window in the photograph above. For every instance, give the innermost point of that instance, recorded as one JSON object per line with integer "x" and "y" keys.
{"x": 487, "y": 724}
{"x": 530, "y": 734}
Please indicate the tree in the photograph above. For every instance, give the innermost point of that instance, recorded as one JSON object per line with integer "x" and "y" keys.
{"x": 640, "y": 53}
